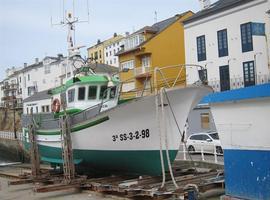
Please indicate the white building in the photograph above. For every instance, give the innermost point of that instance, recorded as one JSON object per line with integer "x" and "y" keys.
{"x": 231, "y": 40}
{"x": 41, "y": 75}
{"x": 112, "y": 46}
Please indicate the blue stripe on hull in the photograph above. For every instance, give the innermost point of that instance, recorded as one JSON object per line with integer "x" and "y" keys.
{"x": 247, "y": 173}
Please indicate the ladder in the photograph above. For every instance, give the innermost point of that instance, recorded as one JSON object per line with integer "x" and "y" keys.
{"x": 67, "y": 154}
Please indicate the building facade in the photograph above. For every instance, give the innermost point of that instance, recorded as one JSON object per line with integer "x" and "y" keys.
{"x": 104, "y": 52}
{"x": 231, "y": 43}
{"x": 159, "y": 45}
{"x": 111, "y": 48}
{"x": 21, "y": 83}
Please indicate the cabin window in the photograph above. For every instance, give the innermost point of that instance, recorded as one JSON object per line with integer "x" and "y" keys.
{"x": 92, "y": 92}
{"x": 71, "y": 95}
{"x": 112, "y": 92}
{"x": 102, "y": 90}
{"x": 81, "y": 95}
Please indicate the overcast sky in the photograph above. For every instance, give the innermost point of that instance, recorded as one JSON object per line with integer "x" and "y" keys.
{"x": 26, "y": 31}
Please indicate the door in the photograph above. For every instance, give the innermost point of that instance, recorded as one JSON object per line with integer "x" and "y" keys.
{"x": 224, "y": 74}
{"x": 249, "y": 73}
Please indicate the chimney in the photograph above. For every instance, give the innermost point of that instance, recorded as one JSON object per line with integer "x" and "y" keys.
{"x": 36, "y": 60}
{"x": 24, "y": 64}
{"x": 115, "y": 35}
{"x": 205, "y": 4}
{"x": 98, "y": 41}
{"x": 127, "y": 33}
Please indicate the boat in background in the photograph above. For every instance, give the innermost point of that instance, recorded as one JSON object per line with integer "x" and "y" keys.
{"x": 242, "y": 119}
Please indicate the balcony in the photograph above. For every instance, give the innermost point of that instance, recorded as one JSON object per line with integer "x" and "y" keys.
{"x": 236, "y": 83}
{"x": 8, "y": 98}
{"x": 9, "y": 87}
{"x": 142, "y": 72}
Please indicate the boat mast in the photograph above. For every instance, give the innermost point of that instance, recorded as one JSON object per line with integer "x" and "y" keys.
{"x": 70, "y": 20}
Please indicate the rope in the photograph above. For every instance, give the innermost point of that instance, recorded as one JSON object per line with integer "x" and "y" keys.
{"x": 166, "y": 137}
{"x": 160, "y": 143}
{"x": 169, "y": 103}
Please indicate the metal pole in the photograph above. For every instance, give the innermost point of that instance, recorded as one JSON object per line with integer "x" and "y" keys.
{"x": 14, "y": 119}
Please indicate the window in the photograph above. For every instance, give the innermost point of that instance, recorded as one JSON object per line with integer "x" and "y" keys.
{"x": 205, "y": 120}
{"x": 71, "y": 95}
{"x": 114, "y": 60}
{"x": 96, "y": 55}
{"x": 92, "y": 92}
{"x": 106, "y": 54}
{"x": 28, "y": 77}
{"x": 43, "y": 109}
{"x": 201, "y": 48}
{"x": 214, "y": 136}
{"x": 196, "y": 137}
{"x": 20, "y": 79}
{"x": 222, "y": 43}
{"x": 27, "y": 110}
{"x": 47, "y": 69}
{"x": 249, "y": 73}
{"x": 246, "y": 37}
{"x": 100, "y": 54}
{"x": 103, "y": 95}
{"x": 112, "y": 92}
{"x": 145, "y": 61}
{"x": 81, "y": 95}
{"x": 36, "y": 109}
{"x": 47, "y": 108}
{"x": 127, "y": 65}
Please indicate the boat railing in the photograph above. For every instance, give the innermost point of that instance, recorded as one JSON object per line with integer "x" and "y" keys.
{"x": 167, "y": 76}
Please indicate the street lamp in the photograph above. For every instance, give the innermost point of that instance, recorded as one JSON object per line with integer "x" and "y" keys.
{"x": 255, "y": 65}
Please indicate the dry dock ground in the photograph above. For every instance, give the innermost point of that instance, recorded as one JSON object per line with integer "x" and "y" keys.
{"x": 24, "y": 192}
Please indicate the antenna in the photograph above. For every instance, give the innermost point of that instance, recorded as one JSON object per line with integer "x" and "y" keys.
{"x": 69, "y": 20}
{"x": 155, "y": 18}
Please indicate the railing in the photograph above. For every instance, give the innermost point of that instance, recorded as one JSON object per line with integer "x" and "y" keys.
{"x": 215, "y": 155}
{"x": 8, "y": 98}
{"x": 10, "y": 135}
{"x": 12, "y": 86}
{"x": 139, "y": 71}
{"x": 161, "y": 78}
{"x": 236, "y": 83}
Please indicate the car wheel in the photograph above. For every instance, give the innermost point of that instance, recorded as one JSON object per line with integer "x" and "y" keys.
{"x": 219, "y": 150}
{"x": 191, "y": 148}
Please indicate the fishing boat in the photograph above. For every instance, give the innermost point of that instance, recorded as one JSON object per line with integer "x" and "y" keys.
{"x": 242, "y": 121}
{"x": 141, "y": 135}
{"x": 113, "y": 135}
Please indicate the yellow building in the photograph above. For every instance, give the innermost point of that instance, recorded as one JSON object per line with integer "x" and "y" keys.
{"x": 97, "y": 53}
{"x": 159, "y": 45}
